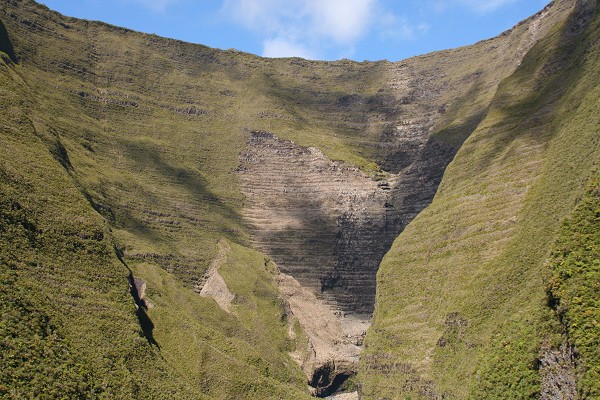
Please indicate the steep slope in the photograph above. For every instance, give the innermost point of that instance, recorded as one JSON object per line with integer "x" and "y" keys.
{"x": 70, "y": 328}
{"x": 68, "y": 324}
{"x": 409, "y": 120}
{"x": 461, "y": 307}
{"x": 573, "y": 294}
{"x": 154, "y": 114}
{"x": 189, "y": 158}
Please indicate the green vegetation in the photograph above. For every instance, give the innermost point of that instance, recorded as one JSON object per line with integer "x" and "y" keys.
{"x": 574, "y": 285}
{"x": 239, "y": 354}
{"x": 461, "y": 306}
{"x": 69, "y": 327}
{"x": 82, "y": 175}
{"x": 119, "y": 153}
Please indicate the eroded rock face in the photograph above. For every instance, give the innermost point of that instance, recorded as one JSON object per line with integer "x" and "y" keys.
{"x": 334, "y": 341}
{"x": 325, "y": 223}
{"x": 328, "y": 225}
{"x": 212, "y": 283}
{"x": 557, "y": 370}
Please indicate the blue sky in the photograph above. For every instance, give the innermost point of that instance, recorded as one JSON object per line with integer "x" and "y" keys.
{"x": 316, "y": 29}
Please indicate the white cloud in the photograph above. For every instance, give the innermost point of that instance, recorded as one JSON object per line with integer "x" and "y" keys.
{"x": 258, "y": 15}
{"x": 155, "y": 5}
{"x": 344, "y": 21}
{"x": 308, "y": 28}
{"x": 279, "y": 47}
{"x": 397, "y": 28}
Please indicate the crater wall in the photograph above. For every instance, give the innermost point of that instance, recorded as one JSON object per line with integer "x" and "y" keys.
{"x": 325, "y": 222}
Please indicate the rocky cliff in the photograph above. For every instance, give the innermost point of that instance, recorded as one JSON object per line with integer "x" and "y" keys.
{"x": 325, "y": 223}
{"x": 189, "y": 159}
{"x": 328, "y": 223}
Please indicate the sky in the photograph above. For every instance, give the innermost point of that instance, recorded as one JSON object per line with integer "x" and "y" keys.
{"x": 314, "y": 29}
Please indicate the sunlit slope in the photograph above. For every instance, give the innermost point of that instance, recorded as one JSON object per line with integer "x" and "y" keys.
{"x": 461, "y": 308}
{"x": 119, "y": 153}
{"x": 153, "y": 128}
{"x": 69, "y": 327}
{"x": 573, "y": 287}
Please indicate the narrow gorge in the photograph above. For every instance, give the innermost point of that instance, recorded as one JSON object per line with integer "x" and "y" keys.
{"x": 328, "y": 224}
{"x": 264, "y": 213}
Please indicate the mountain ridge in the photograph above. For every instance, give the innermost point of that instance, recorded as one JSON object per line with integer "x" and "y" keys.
{"x": 460, "y": 238}
{"x": 159, "y": 144}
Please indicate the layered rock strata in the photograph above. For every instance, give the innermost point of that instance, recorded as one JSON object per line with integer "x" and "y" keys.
{"x": 325, "y": 223}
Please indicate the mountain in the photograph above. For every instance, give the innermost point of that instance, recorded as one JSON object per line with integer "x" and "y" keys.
{"x": 462, "y": 308}
{"x": 183, "y": 222}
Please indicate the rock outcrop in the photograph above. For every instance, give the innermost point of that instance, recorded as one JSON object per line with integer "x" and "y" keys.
{"x": 212, "y": 283}
{"x": 334, "y": 341}
{"x": 559, "y": 377}
{"x": 327, "y": 225}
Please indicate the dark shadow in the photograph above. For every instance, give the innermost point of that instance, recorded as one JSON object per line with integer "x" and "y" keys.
{"x": 456, "y": 135}
{"x": 326, "y": 380}
{"x": 60, "y": 154}
{"x": 190, "y": 180}
{"x": 551, "y": 68}
{"x": 6, "y": 45}
{"x": 101, "y": 209}
{"x": 146, "y": 325}
{"x": 144, "y": 320}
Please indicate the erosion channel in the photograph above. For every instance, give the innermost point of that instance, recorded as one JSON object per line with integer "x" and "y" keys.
{"x": 327, "y": 225}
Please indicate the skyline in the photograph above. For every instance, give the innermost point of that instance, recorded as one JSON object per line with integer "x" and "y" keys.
{"x": 314, "y": 29}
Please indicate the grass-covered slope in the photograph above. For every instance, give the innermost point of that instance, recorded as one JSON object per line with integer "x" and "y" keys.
{"x": 69, "y": 327}
{"x": 461, "y": 307}
{"x": 574, "y": 286}
{"x": 152, "y": 128}
{"x": 119, "y": 153}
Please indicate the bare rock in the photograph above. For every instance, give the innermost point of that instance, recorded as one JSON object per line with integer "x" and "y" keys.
{"x": 557, "y": 370}
{"x": 212, "y": 283}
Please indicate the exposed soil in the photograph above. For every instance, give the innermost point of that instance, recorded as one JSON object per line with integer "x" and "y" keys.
{"x": 212, "y": 284}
